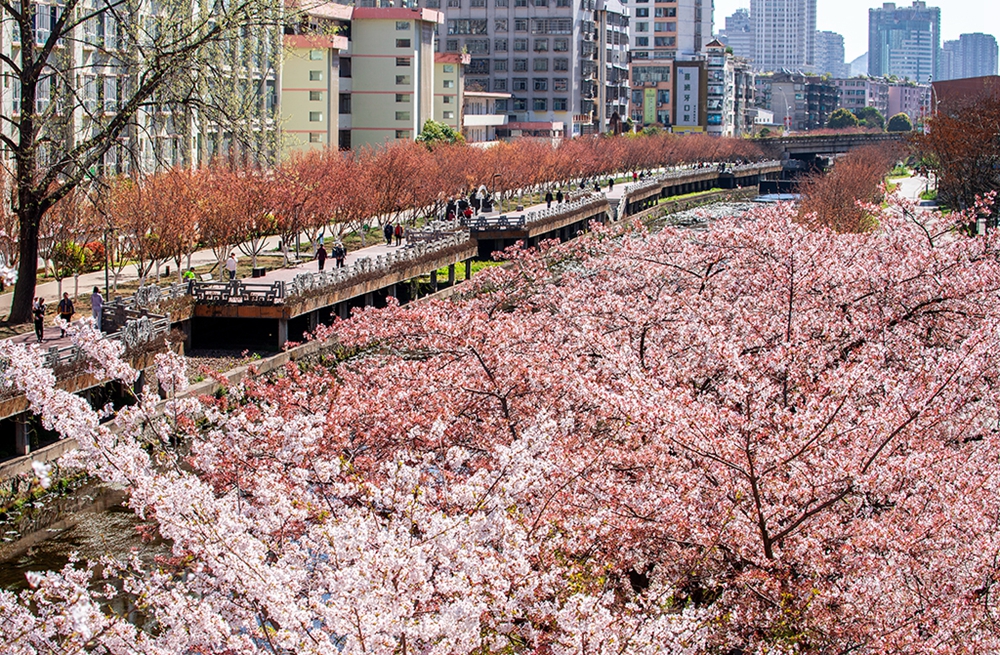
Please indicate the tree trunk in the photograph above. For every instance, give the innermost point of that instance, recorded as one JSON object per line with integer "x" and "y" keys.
{"x": 27, "y": 268}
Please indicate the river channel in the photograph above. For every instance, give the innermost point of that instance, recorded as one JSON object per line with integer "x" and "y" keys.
{"x": 93, "y": 522}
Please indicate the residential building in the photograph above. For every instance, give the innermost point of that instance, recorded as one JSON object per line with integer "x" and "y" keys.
{"x": 449, "y": 88}
{"x": 392, "y": 73}
{"x": 954, "y": 94}
{"x": 911, "y": 99}
{"x": 829, "y": 57}
{"x": 309, "y": 98}
{"x": 481, "y": 119}
{"x": 545, "y": 54}
{"x": 785, "y": 33}
{"x": 666, "y": 29}
{"x": 904, "y": 41}
{"x": 739, "y": 34}
{"x": 652, "y": 93}
{"x": 798, "y": 102}
{"x": 729, "y": 92}
{"x": 971, "y": 55}
{"x": 859, "y": 92}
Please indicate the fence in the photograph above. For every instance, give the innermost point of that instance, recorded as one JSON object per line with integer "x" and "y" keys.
{"x": 576, "y": 202}
{"x": 133, "y": 334}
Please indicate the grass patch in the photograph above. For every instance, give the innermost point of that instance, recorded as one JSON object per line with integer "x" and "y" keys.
{"x": 929, "y": 194}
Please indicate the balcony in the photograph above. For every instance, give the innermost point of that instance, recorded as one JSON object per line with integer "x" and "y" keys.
{"x": 484, "y": 120}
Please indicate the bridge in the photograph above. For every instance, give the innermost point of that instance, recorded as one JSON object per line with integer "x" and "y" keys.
{"x": 812, "y": 147}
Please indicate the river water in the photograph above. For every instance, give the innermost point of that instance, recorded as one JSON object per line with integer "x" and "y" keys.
{"x": 93, "y": 522}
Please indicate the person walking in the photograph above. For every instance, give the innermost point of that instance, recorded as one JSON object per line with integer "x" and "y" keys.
{"x": 188, "y": 276}
{"x": 321, "y": 256}
{"x": 66, "y": 311}
{"x": 399, "y": 234}
{"x": 339, "y": 252}
{"x": 97, "y": 307}
{"x": 38, "y": 315}
{"x": 387, "y": 231}
{"x": 611, "y": 183}
{"x": 559, "y": 196}
{"x": 548, "y": 199}
{"x": 231, "y": 266}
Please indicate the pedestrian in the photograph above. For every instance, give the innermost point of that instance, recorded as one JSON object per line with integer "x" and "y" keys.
{"x": 38, "y": 314}
{"x": 321, "y": 256}
{"x": 231, "y": 266}
{"x": 548, "y": 199}
{"x": 597, "y": 186}
{"x": 611, "y": 183}
{"x": 387, "y": 231}
{"x": 467, "y": 213}
{"x": 339, "y": 252}
{"x": 451, "y": 210}
{"x": 559, "y": 196}
{"x": 635, "y": 176}
{"x": 97, "y": 307}
{"x": 66, "y": 311}
{"x": 399, "y": 234}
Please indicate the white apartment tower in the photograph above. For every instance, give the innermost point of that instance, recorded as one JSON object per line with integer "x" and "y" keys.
{"x": 666, "y": 29}
{"x": 785, "y": 33}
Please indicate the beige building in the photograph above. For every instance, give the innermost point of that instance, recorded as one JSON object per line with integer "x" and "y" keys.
{"x": 310, "y": 82}
{"x": 449, "y": 88}
{"x": 392, "y": 73}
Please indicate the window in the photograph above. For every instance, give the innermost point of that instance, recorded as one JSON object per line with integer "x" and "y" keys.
{"x": 448, "y": 68}
{"x": 405, "y": 134}
{"x": 562, "y": 3}
{"x": 477, "y": 46}
{"x": 344, "y": 103}
{"x": 520, "y": 3}
{"x": 315, "y": 96}
{"x": 451, "y": 45}
{"x": 541, "y": 45}
{"x": 541, "y": 64}
{"x": 448, "y": 100}
{"x": 467, "y": 26}
{"x": 499, "y": 85}
{"x": 642, "y": 41}
{"x": 560, "y": 45}
{"x": 664, "y": 12}
{"x": 449, "y": 84}
{"x": 402, "y": 25}
{"x": 500, "y": 45}
{"x": 540, "y": 84}
{"x": 541, "y": 3}
{"x": 519, "y": 104}
{"x": 519, "y": 84}
{"x": 345, "y": 67}
{"x": 315, "y": 76}
{"x": 403, "y": 61}
{"x": 402, "y": 79}
{"x": 500, "y": 25}
{"x": 455, "y": 3}
{"x": 520, "y": 24}
{"x": 499, "y": 65}
{"x": 642, "y": 26}
{"x": 520, "y": 65}
{"x": 664, "y": 41}
{"x": 560, "y": 84}
{"x": 642, "y": 12}
{"x": 665, "y": 27}
{"x": 316, "y": 55}
{"x": 402, "y": 43}
{"x": 540, "y": 104}
{"x": 315, "y": 137}
{"x": 344, "y": 139}
{"x": 402, "y": 115}
{"x": 402, "y": 97}
{"x": 448, "y": 114}
{"x": 560, "y": 64}
{"x": 663, "y": 96}
{"x": 477, "y": 3}
{"x": 559, "y": 104}
{"x": 110, "y": 94}
{"x": 501, "y": 3}
{"x": 315, "y": 116}
{"x": 478, "y": 66}
{"x": 520, "y": 45}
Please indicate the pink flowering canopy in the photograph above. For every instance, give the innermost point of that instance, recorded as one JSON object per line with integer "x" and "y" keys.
{"x": 763, "y": 438}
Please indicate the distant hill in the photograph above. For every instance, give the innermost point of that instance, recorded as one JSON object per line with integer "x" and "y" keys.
{"x": 859, "y": 66}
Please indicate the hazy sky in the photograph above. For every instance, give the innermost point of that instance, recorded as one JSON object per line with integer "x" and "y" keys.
{"x": 850, "y": 18}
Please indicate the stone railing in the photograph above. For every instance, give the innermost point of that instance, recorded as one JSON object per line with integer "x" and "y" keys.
{"x": 575, "y": 202}
{"x": 135, "y": 333}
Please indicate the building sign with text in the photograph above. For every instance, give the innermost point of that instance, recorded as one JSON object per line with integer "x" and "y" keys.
{"x": 649, "y": 106}
{"x": 687, "y": 96}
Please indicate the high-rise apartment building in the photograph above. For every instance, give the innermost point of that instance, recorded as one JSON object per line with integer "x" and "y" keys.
{"x": 785, "y": 32}
{"x": 904, "y": 41}
{"x": 972, "y": 55}
{"x": 666, "y": 29}
{"x": 829, "y": 57}
{"x": 739, "y": 34}
{"x": 563, "y": 62}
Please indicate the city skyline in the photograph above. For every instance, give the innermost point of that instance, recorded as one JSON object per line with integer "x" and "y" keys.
{"x": 850, "y": 18}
